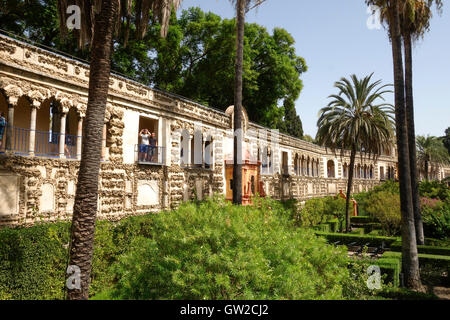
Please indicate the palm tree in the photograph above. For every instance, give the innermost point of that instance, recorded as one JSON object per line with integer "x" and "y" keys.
{"x": 355, "y": 120}
{"x": 100, "y": 19}
{"x": 391, "y": 15}
{"x": 431, "y": 152}
{"x": 415, "y": 21}
{"x": 242, "y": 6}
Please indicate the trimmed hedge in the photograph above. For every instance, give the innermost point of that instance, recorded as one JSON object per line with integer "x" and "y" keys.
{"x": 357, "y": 231}
{"x": 362, "y": 219}
{"x": 430, "y": 250}
{"x": 334, "y": 225}
{"x": 324, "y": 227}
{"x": 371, "y": 226}
{"x": 346, "y": 238}
{"x": 391, "y": 267}
{"x": 424, "y": 259}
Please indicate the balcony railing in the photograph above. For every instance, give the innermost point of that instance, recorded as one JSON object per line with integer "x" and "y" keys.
{"x": 46, "y": 144}
{"x": 149, "y": 155}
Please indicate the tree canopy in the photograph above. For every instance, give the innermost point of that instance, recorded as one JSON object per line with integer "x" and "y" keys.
{"x": 195, "y": 60}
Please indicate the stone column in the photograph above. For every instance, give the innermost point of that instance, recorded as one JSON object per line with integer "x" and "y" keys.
{"x": 62, "y": 136}
{"x": 32, "y": 141}
{"x": 10, "y": 124}
{"x": 79, "y": 137}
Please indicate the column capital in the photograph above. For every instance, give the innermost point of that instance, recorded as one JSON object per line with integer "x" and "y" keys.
{"x": 36, "y": 98}
{"x": 13, "y": 94}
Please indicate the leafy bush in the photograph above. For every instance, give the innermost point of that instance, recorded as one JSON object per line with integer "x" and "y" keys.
{"x": 215, "y": 250}
{"x": 33, "y": 262}
{"x": 321, "y": 211}
{"x": 434, "y": 190}
{"x": 436, "y": 218}
{"x": 385, "y": 207}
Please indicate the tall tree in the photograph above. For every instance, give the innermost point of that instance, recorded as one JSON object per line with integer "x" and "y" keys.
{"x": 391, "y": 15}
{"x": 292, "y": 124}
{"x": 356, "y": 120}
{"x": 415, "y": 21}
{"x": 446, "y": 139}
{"x": 241, "y": 7}
{"x": 99, "y": 22}
{"x": 431, "y": 153}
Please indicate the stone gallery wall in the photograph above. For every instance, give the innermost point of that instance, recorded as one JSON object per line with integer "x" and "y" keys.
{"x": 35, "y": 187}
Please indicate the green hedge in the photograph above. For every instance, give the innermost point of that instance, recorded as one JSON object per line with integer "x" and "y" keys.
{"x": 346, "y": 238}
{"x": 358, "y": 231}
{"x": 371, "y": 226}
{"x": 424, "y": 259}
{"x": 391, "y": 267}
{"x": 334, "y": 225}
{"x": 324, "y": 227}
{"x": 362, "y": 219}
{"x": 431, "y": 250}
{"x": 33, "y": 260}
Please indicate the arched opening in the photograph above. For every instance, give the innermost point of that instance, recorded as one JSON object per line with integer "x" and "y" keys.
{"x": 296, "y": 164}
{"x": 209, "y": 153}
{"x": 381, "y": 173}
{"x": 365, "y": 171}
{"x": 265, "y": 160}
{"x": 70, "y": 148}
{"x": 358, "y": 171}
{"x": 44, "y": 119}
{"x": 345, "y": 170}
{"x": 371, "y": 172}
{"x": 331, "y": 169}
{"x": 20, "y": 140}
{"x": 303, "y": 166}
{"x": 308, "y": 164}
{"x": 312, "y": 168}
{"x": 318, "y": 167}
{"x": 197, "y": 149}
{"x": 184, "y": 147}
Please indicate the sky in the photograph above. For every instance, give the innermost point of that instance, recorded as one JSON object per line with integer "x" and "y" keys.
{"x": 335, "y": 40}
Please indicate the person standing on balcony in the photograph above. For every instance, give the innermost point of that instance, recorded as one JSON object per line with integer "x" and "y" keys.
{"x": 153, "y": 145}
{"x": 2, "y": 128}
{"x": 143, "y": 148}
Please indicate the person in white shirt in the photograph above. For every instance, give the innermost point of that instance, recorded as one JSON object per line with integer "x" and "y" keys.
{"x": 143, "y": 147}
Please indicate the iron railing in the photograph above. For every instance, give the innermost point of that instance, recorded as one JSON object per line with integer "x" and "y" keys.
{"x": 46, "y": 143}
{"x": 149, "y": 155}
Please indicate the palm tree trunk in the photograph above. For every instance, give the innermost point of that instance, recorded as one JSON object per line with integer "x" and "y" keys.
{"x": 238, "y": 133}
{"x": 85, "y": 207}
{"x": 412, "y": 139}
{"x": 426, "y": 170}
{"x": 410, "y": 260}
{"x": 349, "y": 188}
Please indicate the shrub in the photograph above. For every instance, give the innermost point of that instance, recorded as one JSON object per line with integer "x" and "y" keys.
{"x": 33, "y": 262}
{"x": 215, "y": 250}
{"x": 434, "y": 190}
{"x": 335, "y": 206}
{"x": 362, "y": 220}
{"x": 358, "y": 239}
{"x": 436, "y": 217}
{"x": 385, "y": 207}
{"x": 391, "y": 267}
{"x": 311, "y": 214}
{"x": 433, "y": 250}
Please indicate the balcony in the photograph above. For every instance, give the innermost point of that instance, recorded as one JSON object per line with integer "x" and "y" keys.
{"x": 148, "y": 155}
{"x": 41, "y": 144}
